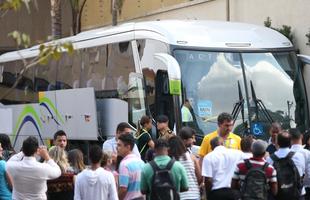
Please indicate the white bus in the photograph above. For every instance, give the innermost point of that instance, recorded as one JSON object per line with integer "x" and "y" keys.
{"x": 151, "y": 68}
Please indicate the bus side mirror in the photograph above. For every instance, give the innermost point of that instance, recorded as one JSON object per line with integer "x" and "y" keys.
{"x": 174, "y": 74}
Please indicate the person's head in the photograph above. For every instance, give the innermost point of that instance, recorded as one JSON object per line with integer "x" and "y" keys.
{"x": 107, "y": 159}
{"x": 6, "y": 142}
{"x": 307, "y": 138}
{"x": 95, "y": 154}
{"x": 125, "y": 144}
{"x": 215, "y": 142}
{"x": 283, "y": 140}
{"x": 30, "y": 146}
{"x": 161, "y": 147}
{"x": 60, "y": 139}
{"x": 162, "y": 122}
{"x": 258, "y": 148}
{"x": 59, "y": 155}
{"x": 187, "y": 134}
{"x": 296, "y": 136}
{"x": 225, "y": 123}
{"x": 146, "y": 122}
{"x": 246, "y": 143}
{"x": 76, "y": 160}
{"x": 274, "y": 130}
{"x": 187, "y": 103}
{"x": 122, "y": 128}
{"x": 176, "y": 147}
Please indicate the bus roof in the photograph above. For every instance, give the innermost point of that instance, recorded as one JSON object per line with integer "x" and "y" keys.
{"x": 191, "y": 33}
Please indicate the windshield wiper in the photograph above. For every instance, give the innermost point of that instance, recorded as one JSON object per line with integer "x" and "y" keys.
{"x": 239, "y": 107}
{"x": 260, "y": 105}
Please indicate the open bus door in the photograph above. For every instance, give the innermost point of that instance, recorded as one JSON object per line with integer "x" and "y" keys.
{"x": 168, "y": 89}
{"x": 305, "y": 67}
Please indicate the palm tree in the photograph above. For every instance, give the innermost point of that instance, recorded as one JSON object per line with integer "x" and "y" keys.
{"x": 77, "y": 8}
{"x": 117, "y": 5}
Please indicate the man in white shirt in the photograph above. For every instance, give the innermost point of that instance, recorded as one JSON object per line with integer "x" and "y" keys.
{"x": 110, "y": 145}
{"x": 218, "y": 168}
{"x": 283, "y": 142}
{"x": 95, "y": 182}
{"x": 296, "y": 146}
{"x": 29, "y": 176}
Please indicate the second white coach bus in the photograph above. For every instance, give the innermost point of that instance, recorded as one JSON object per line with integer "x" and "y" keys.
{"x": 151, "y": 68}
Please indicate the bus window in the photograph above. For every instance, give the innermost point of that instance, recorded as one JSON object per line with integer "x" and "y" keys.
{"x": 68, "y": 71}
{"x": 45, "y": 76}
{"x": 120, "y": 64}
{"x": 23, "y": 92}
{"x": 136, "y": 98}
{"x": 93, "y": 66}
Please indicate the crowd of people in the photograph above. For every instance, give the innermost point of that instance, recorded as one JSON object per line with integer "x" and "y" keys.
{"x": 134, "y": 166}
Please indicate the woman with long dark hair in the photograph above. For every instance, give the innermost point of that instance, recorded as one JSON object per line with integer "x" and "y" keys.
{"x": 178, "y": 151}
{"x": 8, "y": 150}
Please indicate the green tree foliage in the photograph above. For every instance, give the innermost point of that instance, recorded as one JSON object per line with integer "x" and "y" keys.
{"x": 51, "y": 50}
{"x": 285, "y": 30}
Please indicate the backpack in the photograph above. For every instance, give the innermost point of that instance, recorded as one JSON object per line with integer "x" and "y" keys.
{"x": 289, "y": 181}
{"x": 255, "y": 184}
{"x": 163, "y": 187}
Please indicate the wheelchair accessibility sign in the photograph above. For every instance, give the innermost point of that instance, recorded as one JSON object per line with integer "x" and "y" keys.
{"x": 257, "y": 129}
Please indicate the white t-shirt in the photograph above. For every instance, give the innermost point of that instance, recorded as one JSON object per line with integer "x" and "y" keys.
{"x": 110, "y": 145}
{"x": 220, "y": 165}
{"x": 306, "y": 153}
{"x": 95, "y": 184}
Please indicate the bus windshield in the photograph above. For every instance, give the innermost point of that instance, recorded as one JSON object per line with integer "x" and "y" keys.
{"x": 259, "y": 87}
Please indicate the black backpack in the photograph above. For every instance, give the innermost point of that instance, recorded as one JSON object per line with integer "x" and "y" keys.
{"x": 163, "y": 187}
{"x": 255, "y": 184}
{"x": 289, "y": 181}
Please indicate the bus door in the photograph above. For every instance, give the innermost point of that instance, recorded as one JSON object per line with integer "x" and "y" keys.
{"x": 168, "y": 89}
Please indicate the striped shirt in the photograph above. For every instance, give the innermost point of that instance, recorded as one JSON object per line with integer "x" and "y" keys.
{"x": 242, "y": 170}
{"x": 130, "y": 175}
{"x": 193, "y": 189}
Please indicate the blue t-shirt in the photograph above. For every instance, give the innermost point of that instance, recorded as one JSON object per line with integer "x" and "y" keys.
{"x": 5, "y": 193}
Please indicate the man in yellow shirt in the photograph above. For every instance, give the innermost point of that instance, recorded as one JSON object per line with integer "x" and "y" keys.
{"x": 230, "y": 140}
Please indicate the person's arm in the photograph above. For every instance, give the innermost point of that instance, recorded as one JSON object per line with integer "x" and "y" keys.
{"x": 273, "y": 185}
{"x": 151, "y": 144}
{"x": 50, "y": 169}
{"x": 112, "y": 189}
{"x": 122, "y": 191}
{"x": 235, "y": 181}
{"x": 203, "y": 149}
{"x": 77, "y": 192}
{"x": 123, "y": 180}
{"x": 208, "y": 184}
{"x": 197, "y": 169}
{"x": 9, "y": 179}
{"x": 184, "y": 181}
{"x": 273, "y": 188}
{"x": 235, "y": 184}
{"x": 143, "y": 182}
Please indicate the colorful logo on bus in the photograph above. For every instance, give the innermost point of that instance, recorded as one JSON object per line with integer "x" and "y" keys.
{"x": 46, "y": 103}
{"x": 28, "y": 114}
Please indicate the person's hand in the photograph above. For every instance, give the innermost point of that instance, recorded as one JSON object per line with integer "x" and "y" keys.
{"x": 42, "y": 151}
